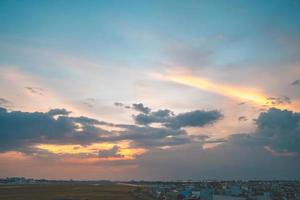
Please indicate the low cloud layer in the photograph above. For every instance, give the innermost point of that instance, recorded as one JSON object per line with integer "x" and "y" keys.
{"x": 22, "y": 130}
{"x": 270, "y": 151}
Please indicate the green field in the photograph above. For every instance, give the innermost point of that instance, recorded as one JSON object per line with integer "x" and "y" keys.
{"x": 69, "y": 192}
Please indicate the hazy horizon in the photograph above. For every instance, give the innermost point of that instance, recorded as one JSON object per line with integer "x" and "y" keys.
{"x": 150, "y": 90}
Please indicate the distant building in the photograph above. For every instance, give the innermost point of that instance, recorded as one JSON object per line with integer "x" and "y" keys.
{"x": 225, "y": 197}
{"x": 265, "y": 196}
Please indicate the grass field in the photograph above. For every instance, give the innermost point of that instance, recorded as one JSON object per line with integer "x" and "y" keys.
{"x": 68, "y": 192}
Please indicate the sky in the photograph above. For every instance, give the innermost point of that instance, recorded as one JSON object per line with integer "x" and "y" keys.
{"x": 150, "y": 90}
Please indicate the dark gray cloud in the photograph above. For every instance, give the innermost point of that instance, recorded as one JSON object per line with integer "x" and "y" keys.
{"x": 118, "y": 104}
{"x": 238, "y": 156}
{"x": 242, "y": 119}
{"x": 113, "y": 152}
{"x": 54, "y": 112}
{"x": 170, "y": 132}
{"x": 280, "y": 129}
{"x": 264, "y": 154}
{"x": 276, "y": 129}
{"x": 225, "y": 161}
{"x": 89, "y": 102}
{"x": 160, "y": 116}
{"x": 35, "y": 90}
{"x": 167, "y": 118}
{"x": 197, "y": 118}
{"x": 141, "y": 108}
{"x": 296, "y": 82}
{"x": 23, "y": 129}
{"x": 278, "y": 100}
{"x": 5, "y": 103}
{"x": 149, "y": 137}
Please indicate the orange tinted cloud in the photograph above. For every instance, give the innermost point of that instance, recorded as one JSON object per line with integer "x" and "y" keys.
{"x": 225, "y": 90}
{"x": 13, "y": 155}
{"x": 241, "y": 93}
{"x": 125, "y": 151}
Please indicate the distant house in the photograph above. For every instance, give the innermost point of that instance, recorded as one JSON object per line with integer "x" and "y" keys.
{"x": 233, "y": 190}
{"x": 226, "y": 197}
{"x": 265, "y": 196}
{"x": 185, "y": 194}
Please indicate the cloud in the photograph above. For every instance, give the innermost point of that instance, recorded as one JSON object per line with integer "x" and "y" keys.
{"x": 167, "y": 118}
{"x": 226, "y": 161}
{"x": 20, "y": 130}
{"x": 296, "y": 82}
{"x": 242, "y": 119}
{"x": 113, "y": 152}
{"x": 54, "y": 112}
{"x": 141, "y": 108}
{"x": 5, "y": 103}
{"x": 160, "y": 116}
{"x": 118, "y": 104}
{"x": 197, "y": 118}
{"x": 191, "y": 56}
{"x": 270, "y": 152}
{"x": 89, "y": 102}
{"x": 277, "y": 130}
{"x": 170, "y": 132}
{"x": 237, "y": 92}
{"x": 151, "y": 137}
{"x": 278, "y": 100}
{"x": 35, "y": 90}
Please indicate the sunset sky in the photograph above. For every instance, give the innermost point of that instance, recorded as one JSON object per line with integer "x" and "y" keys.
{"x": 152, "y": 90}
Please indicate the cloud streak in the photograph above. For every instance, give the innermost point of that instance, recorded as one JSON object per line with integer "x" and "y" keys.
{"x": 296, "y": 82}
{"x": 236, "y": 92}
{"x": 222, "y": 89}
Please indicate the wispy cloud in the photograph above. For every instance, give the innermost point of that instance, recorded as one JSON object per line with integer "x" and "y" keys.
{"x": 296, "y": 82}
{"x": 240, "y": 93}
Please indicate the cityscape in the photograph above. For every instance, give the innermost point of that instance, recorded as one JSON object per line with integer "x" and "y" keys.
{"x": 188, "y": 190}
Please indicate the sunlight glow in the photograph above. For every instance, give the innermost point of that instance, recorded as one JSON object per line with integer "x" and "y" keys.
{"x": 237, "y": 92}
{"x": 226, "y": 90}
{"x": 93, "y": 150}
